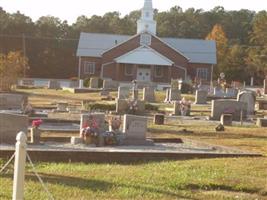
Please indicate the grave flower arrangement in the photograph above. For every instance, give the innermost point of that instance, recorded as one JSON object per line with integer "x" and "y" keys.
{"x": 114, "y": 123}
{"x": 185, "y": 107}
{"x": 36, "y": 123}
{"x": 90, "y": 131}
{"x": 259, "y": 92}
{"x": 132, "y": 106}
{"x": 110, "y": 138}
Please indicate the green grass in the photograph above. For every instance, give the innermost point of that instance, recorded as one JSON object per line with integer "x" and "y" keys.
{"x": 245, "y": 178}
{"x": 193, "y": 179}
{"x": 202, "y": 179}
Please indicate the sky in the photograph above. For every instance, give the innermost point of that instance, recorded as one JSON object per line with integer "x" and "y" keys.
{"x": 69, "y": 9}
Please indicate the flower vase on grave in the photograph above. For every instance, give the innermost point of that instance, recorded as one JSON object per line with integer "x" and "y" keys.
{"x": 134, "y": 90}
{"x": 35, "y": 135}
{"x": 35, "y": 131}
{"x": 87, "y": 140}
{"x": 133, "y": 107}
{"x": 114, "y": 124}
{"x": 135, "y": 94}
{"x": 185, "y": 107}
{"x": 89, "y": 135}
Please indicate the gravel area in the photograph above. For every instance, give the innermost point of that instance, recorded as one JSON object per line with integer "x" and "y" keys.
{"x": 186, "y": 147}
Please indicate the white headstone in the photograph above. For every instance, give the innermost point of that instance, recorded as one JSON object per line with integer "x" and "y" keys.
{"x": 149, "y": 94}
{"x": 81, "y": 83}
{"x": 123, "y": 92}
{"x": 135, "y": 128}
{"x": 250, "y": 99}
{"x": 167, "y": 98}
{"x": 265, "y": 86}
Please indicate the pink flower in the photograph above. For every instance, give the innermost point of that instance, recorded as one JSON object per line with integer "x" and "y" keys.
{"x": 37, "y": 123}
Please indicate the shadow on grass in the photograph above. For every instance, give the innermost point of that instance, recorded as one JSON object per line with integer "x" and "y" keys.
{"x": 210, "y": 187}
{"x": 54, "y": 96}
{"x": 225, "y": 135}
{"x": 97, "y": 185}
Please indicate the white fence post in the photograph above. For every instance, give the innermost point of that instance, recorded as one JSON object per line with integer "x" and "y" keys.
{"x": 19, "y": 168}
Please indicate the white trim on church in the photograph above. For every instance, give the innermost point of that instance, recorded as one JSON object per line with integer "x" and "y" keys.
{"x": 144, "y": 55}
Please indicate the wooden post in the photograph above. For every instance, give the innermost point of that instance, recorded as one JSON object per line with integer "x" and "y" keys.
{"x": 19, "y": 168}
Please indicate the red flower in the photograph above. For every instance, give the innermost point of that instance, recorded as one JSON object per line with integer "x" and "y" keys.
{"x": 37, "y": 123}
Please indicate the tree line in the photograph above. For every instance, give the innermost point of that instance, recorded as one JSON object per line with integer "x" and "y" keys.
{"x": 50, "y": 44}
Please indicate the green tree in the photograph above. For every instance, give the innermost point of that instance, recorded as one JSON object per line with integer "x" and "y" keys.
{"x": 235, "y": 64}
{"x": 257, "y": 56}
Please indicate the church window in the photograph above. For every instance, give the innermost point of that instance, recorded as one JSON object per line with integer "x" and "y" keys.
{"x": 128, "y": 69}
{"x": 147, "y": 14}
{"x": 145, "y": 39}
{"x": 89, "y": 67}
{"x": 158, "y": 71}
{"x": 202, "y": 73}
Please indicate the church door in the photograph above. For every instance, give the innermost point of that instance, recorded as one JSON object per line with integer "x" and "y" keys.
{"x": 143, "y": 74}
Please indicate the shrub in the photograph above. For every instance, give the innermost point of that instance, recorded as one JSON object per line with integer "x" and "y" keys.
{"x": 101, "y": 107}
{"x": 151, "y": 107}
{"x": 86, "y": 82}
{"x": 187, "y": 88}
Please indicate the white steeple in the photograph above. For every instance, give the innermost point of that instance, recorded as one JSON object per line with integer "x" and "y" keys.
{"x": 146, "y": 22}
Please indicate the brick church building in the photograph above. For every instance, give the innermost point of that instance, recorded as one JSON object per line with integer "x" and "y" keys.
{"x": 145, "y": 57}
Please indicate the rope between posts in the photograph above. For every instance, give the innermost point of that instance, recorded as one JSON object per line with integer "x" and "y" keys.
{"x": 39, "y": 178}
{"x": 8, "y": 162}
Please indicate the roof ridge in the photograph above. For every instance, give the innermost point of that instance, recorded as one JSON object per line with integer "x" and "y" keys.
{"x": 107, "y": 34}
{"x": 173, "y": 38}
{"x": 193, "y": 39}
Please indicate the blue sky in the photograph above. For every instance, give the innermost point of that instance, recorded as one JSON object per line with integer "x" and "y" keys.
{"x": 70, "y": 10}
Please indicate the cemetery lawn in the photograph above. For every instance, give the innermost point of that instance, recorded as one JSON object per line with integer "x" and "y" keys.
{"x": 202, "y": 179}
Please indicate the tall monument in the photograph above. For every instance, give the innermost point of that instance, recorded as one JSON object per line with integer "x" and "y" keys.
{"x": 147, "y": 22}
